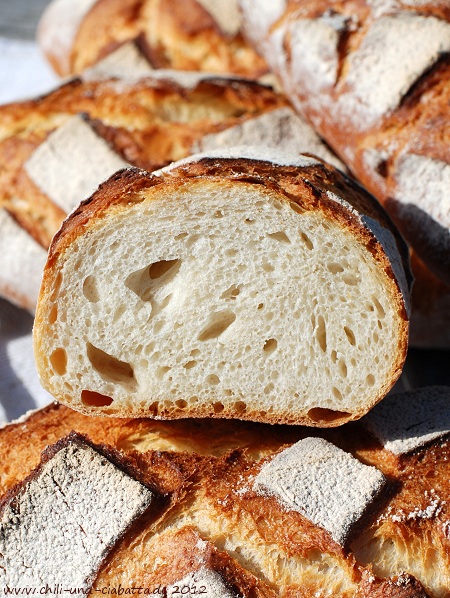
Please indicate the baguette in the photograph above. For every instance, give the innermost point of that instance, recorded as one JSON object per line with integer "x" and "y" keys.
{"x": 55, "y": 150}
{"x": 250, "y": 284}
{"x": 374, "y": 80}
{"x": 177, "y": 34}
{"x": 211, "y": 520}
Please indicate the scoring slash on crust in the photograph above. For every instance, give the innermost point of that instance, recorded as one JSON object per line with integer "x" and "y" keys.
{"x": 323, "y": 483}
{"x": 208, "y": 527}
{"x": 58, "y": 525}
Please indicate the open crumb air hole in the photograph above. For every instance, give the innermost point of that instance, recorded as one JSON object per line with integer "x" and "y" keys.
{"x": 110, "y": 368}
{"x": 90, "y": 290}
{"x": 145, "y": 281}
{"x": 270, "y": 346}
{"x": 280, "y": 236}
{"x": 350, "y": 335}
{"x": 320, "y": 414}
{"x": 58, "y": 359}
{"x": 307, "y": 241}
{"x": 95, "y": 399}
{"x": 321, "y": 333}
{"x": 231, "y": 293}
{"x": 217, "y": 325}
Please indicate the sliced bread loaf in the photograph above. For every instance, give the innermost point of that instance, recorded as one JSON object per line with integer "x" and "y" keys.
{"x": 249, "y": 284}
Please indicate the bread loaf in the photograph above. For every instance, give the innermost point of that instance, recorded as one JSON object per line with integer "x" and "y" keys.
{"x": 373, "y": 78}
{"x": 250, "y": 284}
{"x": 212, "y": 522}
{"x": 179, "y": 34}
{"x": 55, "y": 150}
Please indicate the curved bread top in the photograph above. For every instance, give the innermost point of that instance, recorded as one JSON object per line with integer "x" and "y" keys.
{"x": 324, "y": 186}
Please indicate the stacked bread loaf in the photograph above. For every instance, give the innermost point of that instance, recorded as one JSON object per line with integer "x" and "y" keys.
{"x": 177, "y": 34}
{"x": 221, "y": 326}
{"x": 231, "y": 510}
{"x": 55, "y": 150}
{"x": 373, "y": 78}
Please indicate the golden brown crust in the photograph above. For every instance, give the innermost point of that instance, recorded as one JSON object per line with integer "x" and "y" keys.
{"x": 177, "y": 34}
{"x": 107, "y": 25}
{"x": 144, "y": 122}
{"x": 209, "y": 468}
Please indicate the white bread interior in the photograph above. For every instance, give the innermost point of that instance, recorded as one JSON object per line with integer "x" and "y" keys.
{"x": 223, "y": 299}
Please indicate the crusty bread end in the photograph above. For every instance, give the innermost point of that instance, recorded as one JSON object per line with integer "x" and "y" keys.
{"x": 246, "y": 285}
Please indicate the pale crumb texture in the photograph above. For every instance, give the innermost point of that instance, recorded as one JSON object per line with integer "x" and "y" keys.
{"x": 387, "y": 241}
{"x": 62, "y": 523}
{"x": 126, "y": 61}
{"x": 219, "y": 299}
{"x": 225, "y": 14}
{"x": 322, "y": 482}
{"x": 396, "y": 51}
{"x": 205, "y": 582}
{"x": 20, "y": 278}
{"x": 281, "y": 128}
{"x": 407, "y": 421}
{"x": 72, "y": 153}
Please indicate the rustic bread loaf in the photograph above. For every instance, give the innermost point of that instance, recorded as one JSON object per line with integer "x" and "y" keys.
{"x": 55, "y": 150}
{"x": 373, "y": 77}
{"x": 211, "y": 521}
{"x": 250, "y": 284}
{"x": 180, "y": 34}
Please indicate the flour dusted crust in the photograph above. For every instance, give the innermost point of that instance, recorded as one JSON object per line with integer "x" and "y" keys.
{"x": 278, "y": 128}
{"x": 180, "y": 34}
{"x": 407, "y": 421}
{"x": 373, "y": 77}
{"x": 71, "y": 163}
{"x": 190, "y": 361}
{"x": 323, "y": 483}
{"x": 20, "y": 278}
{"x": 60, "y": 523}
{"x": 216, "y": 525}
{"x": 127, "y": 59}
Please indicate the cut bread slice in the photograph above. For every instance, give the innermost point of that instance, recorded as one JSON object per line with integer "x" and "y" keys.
{"x": 245, "y": 284}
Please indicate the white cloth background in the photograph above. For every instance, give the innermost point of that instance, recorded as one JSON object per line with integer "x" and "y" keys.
{"x": 23, "y": 71}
